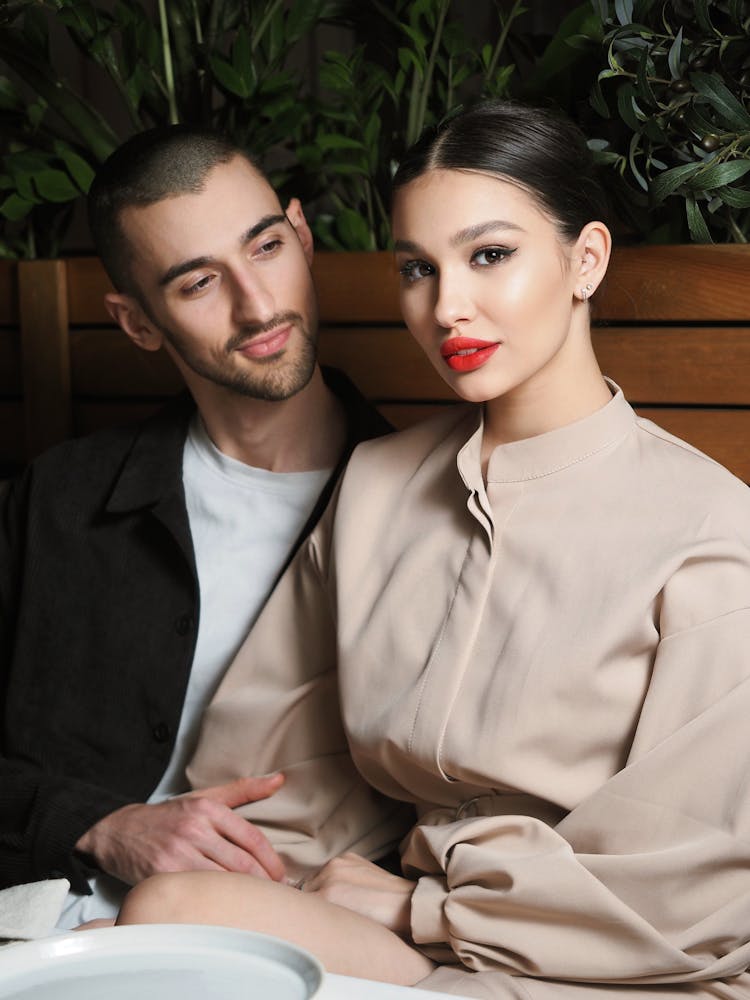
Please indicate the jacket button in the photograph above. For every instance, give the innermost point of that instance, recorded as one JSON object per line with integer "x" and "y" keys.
{"x": 183, "y": 624}
{"x": 161, "y": 732}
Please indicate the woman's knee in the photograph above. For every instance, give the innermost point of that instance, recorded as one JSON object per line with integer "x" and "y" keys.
{"x": 163, "y": 898}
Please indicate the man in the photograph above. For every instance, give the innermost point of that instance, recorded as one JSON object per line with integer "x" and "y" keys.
{"x": 134, "y": 562}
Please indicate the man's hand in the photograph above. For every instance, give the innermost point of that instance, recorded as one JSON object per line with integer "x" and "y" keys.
{"x": 359, "y": 885}
{"x": 187, "y": 833}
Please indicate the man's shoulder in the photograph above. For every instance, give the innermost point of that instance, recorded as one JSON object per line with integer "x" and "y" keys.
{"x": 83, "y": 464}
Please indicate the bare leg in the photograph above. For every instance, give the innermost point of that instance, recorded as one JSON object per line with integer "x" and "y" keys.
{"x": 345, "y": 942}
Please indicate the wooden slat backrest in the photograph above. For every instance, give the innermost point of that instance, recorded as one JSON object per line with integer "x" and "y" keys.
{"x": 672, "y": 326}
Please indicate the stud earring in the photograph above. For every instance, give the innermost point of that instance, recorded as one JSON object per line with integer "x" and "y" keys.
{"x": 586, "y": 291}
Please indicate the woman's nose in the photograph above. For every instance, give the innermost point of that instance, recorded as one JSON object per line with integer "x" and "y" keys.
{"x": 454, "y": 304}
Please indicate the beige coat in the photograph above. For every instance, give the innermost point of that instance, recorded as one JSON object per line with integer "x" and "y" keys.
{"x": 555, "y": 669}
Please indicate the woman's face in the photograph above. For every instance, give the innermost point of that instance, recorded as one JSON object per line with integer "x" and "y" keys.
{"x": 487, "y": 286}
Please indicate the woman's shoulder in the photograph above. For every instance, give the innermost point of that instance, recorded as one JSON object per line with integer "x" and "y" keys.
{"x": 696, "y": 477}
{"x": 443, "y": 433}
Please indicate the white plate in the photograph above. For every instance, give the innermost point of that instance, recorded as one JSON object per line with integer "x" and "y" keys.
{"x": 158, "y": 962}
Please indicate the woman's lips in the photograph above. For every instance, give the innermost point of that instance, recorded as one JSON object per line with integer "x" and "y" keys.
{"x": 464, "y": 354}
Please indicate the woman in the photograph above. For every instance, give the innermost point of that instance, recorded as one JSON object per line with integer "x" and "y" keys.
{"x": 542, "y": 609}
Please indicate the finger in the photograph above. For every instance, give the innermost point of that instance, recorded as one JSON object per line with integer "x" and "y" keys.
{"x": 242, "y": 790}
{"x": 245, "y": 847}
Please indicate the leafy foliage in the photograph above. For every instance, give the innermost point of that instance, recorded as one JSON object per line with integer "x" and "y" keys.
{"x": 217, "y": 63}
{"x": 415, "y": 64}
{"x": 675, "y": 97}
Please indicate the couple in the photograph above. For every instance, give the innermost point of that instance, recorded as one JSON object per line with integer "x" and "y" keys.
{"x": 538, "y": 608}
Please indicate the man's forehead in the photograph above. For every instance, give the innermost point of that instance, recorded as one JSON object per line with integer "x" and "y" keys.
{"x": 233, "y": 199}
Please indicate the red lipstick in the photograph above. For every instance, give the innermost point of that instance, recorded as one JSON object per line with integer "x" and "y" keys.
{"x": 465, "y": 354}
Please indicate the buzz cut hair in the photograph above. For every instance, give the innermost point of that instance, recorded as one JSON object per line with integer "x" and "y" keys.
{"x": 159, "y": 163}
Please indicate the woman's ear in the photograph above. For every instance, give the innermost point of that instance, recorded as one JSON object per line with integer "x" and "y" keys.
{"x": 297, "y": 218}
{"x": 590, "y": 259}
{"x": 128, "y": 313}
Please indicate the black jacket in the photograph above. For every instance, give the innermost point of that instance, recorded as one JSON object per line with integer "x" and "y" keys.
{"x": 98, "y": 609}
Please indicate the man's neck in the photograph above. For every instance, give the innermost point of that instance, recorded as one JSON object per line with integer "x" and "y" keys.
{"x": 299, "y": 434}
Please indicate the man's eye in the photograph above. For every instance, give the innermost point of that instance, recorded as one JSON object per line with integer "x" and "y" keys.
{"x": 413, "y": 270}
{"x": 198, "y": 286}
{"x": 269, "y": 247}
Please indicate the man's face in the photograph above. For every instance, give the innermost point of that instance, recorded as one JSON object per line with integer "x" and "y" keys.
{"x": 224, "y": 281}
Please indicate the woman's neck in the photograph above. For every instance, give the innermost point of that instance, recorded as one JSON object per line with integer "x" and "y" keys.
{"x": 568, "y": 389}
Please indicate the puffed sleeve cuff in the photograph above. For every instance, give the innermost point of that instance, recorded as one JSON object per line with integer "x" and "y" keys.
{"x": 428, "y": 922}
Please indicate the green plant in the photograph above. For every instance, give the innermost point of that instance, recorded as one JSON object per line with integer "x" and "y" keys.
{"x": 218, "y": 63}
{"x": 421, "y": 66}
{"x": 675, "y": 99}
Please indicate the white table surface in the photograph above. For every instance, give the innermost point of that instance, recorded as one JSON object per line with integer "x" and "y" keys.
{"x": 347, "y": 988}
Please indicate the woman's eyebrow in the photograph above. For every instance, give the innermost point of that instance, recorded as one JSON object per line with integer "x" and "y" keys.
{"x": 481, "y": 229}
{"x": 474, "y": 232}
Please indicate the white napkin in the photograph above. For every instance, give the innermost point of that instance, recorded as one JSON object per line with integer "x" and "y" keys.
{"x": 31, "y": 911}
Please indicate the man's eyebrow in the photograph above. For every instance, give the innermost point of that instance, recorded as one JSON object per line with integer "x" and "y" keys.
{"x": 186, "y": 266}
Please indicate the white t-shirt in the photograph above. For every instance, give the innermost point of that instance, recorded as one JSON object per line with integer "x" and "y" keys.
{"x": 243, "y": 522}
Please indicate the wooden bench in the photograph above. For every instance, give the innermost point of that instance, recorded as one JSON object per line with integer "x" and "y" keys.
{"x": 672, "y": 326}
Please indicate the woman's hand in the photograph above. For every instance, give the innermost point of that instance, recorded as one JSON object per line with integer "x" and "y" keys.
{"x": 356, "y": 884}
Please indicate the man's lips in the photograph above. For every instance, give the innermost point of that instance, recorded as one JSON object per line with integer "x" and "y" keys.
{"x": 262, "y": 345}
{"x": 465, "y": 354}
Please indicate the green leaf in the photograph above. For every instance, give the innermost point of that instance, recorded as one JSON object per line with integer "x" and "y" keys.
{"x": 10, "y": 99}
{"x": 54, "y": 185}
{"x": 407, "y": 60}
{"x": 601, "y": 8}
{"x": 674, "y": 57}
{"x": 15, "y": 208}
{"x": 596, "y": 97}
{"x": 719, "y": 174}
{"x": 667, "y": 183}
{"x": 645, "y": 93}
{"x": 78, "y": 168}
{"x": 696, "y": 223}
{"x": 353, "y": 230}
{"x": 333, "y": 140}
{"x": 722, "y": 99}
{"x": 372, "y": 132}
{"x": 633, "y": 151}
{"x": 735, "y": 197}
{"x": 242, "y": 58}
{"x": 228, "y": 77}
{"x": 628, "y": 109}
{"x": 624, "y": 11}
{"x": 703, "y": 17}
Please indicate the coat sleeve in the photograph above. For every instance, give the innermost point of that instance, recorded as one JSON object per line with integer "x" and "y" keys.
{"x": 647, "y": 881}
{"x": 41, "y": 815}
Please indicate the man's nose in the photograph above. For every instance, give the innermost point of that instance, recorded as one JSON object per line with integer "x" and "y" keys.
{"x": 252, "y": 299}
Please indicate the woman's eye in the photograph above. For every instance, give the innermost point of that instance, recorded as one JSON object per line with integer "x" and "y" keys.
{"x": 488, "y": 256}
{"x": 413, "y": 270}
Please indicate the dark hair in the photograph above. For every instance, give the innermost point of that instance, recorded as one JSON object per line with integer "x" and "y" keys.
{"x": 153, "y": 165}
{"x": 535, "y": 148}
